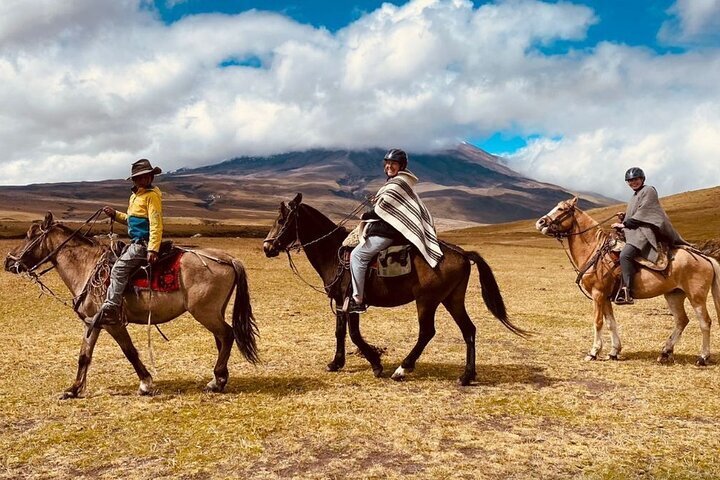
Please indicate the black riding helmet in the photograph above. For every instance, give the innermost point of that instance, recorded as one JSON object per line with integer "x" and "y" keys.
{"x": 634, "y": 172}
{"x": 397, "y": 155}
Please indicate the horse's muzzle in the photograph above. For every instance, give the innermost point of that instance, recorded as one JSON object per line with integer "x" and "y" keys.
{"x": 269, "y": 249}
{"x": 542, "y": 226}
{"x": 12, "y": 265}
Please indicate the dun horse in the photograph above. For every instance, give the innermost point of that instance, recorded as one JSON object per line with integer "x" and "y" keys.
{"x": 303, "y": 226}
{"x": 690, "y": 275}
{"x": 207, "y": 281}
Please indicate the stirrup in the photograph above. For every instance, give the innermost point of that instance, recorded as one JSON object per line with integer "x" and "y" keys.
{"x": 623, "y": 297}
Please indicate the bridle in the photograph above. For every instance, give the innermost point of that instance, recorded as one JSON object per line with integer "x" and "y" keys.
{"x": 297, "y": 244}
{"x": 293, "y": 217}
{"x": 43, "y": 234}
{"x": 600, "y": 250}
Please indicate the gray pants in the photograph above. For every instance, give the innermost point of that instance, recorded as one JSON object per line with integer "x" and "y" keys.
{"x": 627, "y": 264}
{"x": 133, "y": 257}
{"x": 359, "y": 259}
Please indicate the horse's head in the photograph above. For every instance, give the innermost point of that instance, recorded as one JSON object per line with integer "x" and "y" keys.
{"x": 34, "y": 248}
{"x": 559, "y": 221}
{"x": 283, "y": 233}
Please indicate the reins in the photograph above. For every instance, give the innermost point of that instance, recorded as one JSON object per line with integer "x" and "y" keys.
{"x": 297, "y": 245}
{"x": 601, "y": 248}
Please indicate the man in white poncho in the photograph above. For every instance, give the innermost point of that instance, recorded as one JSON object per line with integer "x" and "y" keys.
{"x": 398, "y": 214}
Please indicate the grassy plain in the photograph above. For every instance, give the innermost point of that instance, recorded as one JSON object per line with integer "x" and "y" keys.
{"x": 536, "y": 411}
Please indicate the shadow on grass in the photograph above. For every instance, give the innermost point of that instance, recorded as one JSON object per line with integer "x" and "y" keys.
{"x": 268, "y": 385}
{"x": 680, "y": 358}
{"x": 487, "y": 375}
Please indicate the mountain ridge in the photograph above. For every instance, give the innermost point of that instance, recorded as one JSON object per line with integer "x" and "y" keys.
{"x": 463, "y": 185}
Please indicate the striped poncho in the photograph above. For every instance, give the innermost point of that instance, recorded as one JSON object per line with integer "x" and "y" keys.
{"x": 397, "y": 203}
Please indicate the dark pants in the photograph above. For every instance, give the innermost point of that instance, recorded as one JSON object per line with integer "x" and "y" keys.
{"x": 628, "y": 266}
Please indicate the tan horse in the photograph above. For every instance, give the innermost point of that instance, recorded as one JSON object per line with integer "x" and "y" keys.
{"x": 207, "y": 281}
{"x": 690, "y": 275}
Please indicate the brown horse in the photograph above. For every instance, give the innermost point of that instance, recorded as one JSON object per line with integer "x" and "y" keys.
{"x": 690, "y": 275}
{"x": 303, "y": 226}
{"x": 207, "y": 281}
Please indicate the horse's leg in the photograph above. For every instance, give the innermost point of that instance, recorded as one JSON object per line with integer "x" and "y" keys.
{"x": 615, "y": 343}
{"x": 455, "y": 304}
{"x": 224, "y": 342}
{"x": 368, "y": 351}
{"x": 213, "y": 320}
{"x": 340, "y": 331}
{"x": 426, "y": 331}
{"x": 699, "y": 305}
{"x": 675, "y": 301}
{"x": 86, "y": 352}
{"x": 598, "y": 310}
{"x": 120, "y": 334}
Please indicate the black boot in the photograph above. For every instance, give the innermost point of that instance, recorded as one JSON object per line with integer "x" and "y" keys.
{"x": 107, "y": 315}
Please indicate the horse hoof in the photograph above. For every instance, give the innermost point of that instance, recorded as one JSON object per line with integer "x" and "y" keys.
{"x": 464, "y": 381}
{"x": 214, "y": 387}
{"x": 399, "y": 374}
{"x": 590, "y": 357}
{"x": 614, "y": 358}
{"x": 702, "y": 362}
{"x": 666, "y": 358}
{"x": 377, "y": 371}
{"x": 333, "y": 367}
{"x": 68, "y": 394}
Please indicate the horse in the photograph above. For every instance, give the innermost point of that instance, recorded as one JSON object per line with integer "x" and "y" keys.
{"x": 300, "y": 225}
{"x": 207, "y": 280}
{"x": 690, "y": 274}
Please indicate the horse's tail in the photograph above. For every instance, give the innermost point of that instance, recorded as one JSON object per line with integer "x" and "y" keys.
{"x": 716, "y": 286}
{"x": 491, "y": 294}
{"x": 243, "y": 321}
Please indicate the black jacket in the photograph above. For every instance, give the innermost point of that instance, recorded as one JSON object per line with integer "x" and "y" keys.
{"x": 380, "y": 228}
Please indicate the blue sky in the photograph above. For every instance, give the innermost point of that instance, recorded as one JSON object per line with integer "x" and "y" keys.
{"x": 559, "y": 89}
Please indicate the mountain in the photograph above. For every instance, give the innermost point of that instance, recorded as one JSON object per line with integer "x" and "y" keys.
{"x": 462, "y": 186}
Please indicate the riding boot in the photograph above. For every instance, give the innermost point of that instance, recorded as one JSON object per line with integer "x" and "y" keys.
{"x": 107, "y": 315}
{"x": 624, "y": 297}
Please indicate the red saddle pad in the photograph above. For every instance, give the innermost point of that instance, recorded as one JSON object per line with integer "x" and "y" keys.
{"x": 165, "y": 275}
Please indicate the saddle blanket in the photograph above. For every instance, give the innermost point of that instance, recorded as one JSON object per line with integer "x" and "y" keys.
{"x": 664, "y": 256}
{"x": 165, "y": 275}
{"x": 394, "y": 261}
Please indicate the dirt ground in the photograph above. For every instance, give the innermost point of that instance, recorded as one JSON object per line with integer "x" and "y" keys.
{"x": 537, "y": 410}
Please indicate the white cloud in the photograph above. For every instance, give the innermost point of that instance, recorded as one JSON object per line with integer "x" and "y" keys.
{"x": 694, "y": 22}
{"x": 93, "y": 85}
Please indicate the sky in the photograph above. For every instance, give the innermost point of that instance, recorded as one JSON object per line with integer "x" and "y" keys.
{"x": 568, "y": 92}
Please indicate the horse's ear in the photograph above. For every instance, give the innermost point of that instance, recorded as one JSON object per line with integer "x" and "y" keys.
{"x": 284, "y": 210}
{"x": 296, "y": 201}
{"x": 47, "y": 223}
{"x": 574, "y": 201}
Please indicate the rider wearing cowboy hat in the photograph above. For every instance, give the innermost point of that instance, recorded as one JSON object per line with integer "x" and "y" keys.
{"x": 145, "y": 229}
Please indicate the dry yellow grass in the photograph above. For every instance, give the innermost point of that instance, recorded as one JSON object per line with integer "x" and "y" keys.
{"x": 537, "y": 410}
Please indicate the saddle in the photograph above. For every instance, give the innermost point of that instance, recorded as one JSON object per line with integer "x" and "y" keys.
{"x": 394, "y": 261}
{"x": 660, "y": 265}
{"x": 165, "y": 272}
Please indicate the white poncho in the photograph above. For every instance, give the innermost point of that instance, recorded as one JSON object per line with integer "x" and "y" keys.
{"x": 397, "y": 203}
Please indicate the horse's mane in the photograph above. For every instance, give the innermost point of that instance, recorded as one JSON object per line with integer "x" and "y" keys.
{"x": 324, "y": 222}
{"x": 83, "y": 237}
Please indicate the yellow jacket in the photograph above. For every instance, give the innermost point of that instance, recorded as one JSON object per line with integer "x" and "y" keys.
{"x": 144, "y": 217}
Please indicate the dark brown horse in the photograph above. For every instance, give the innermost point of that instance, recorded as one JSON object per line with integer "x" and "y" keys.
{"x": 301, "y": 225}
{"x": 208, "y": 279}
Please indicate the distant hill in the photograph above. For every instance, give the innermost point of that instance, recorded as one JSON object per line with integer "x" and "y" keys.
{"x": 462, "y": 186}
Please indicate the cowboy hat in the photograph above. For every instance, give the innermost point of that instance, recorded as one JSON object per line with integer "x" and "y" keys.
{"x": 141, "y": 167}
